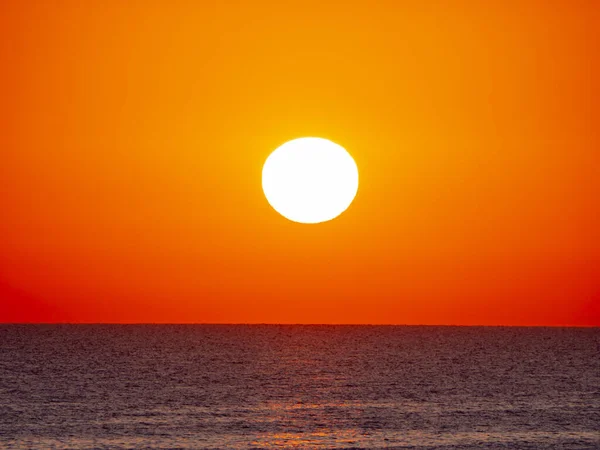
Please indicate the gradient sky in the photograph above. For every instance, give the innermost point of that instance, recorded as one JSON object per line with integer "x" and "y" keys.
{"x": 132, "y": 138}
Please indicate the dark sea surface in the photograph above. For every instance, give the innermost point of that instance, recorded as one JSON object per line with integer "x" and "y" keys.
{"x": 221, "y": 386}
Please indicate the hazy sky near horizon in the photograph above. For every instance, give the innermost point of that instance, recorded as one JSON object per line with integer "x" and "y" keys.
{"x": 133, "y": 134}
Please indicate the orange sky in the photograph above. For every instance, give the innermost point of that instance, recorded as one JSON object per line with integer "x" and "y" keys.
{"x": 132, "y": 138}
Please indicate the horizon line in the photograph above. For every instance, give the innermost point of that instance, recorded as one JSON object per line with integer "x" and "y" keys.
{"x": 301, "y": 324}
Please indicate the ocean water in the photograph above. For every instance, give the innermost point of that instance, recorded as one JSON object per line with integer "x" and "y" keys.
{"x": 221, "y": 386}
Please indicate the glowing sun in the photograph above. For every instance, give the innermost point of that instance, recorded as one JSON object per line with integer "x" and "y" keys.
{"x": 310, "y": 180}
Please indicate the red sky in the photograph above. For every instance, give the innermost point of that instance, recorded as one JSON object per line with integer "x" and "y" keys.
{"x": 132, "y": 138}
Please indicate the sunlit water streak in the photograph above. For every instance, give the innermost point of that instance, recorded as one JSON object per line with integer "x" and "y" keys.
{"x": 298, "y": 387}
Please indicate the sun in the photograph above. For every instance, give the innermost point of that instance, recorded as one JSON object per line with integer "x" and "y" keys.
{"x": 310, "y": 180}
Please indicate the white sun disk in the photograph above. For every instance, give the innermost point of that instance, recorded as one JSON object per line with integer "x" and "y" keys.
{"x": 310, "y": 180}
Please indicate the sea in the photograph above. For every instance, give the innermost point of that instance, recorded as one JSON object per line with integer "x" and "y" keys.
{"x": 298, "y": 386}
